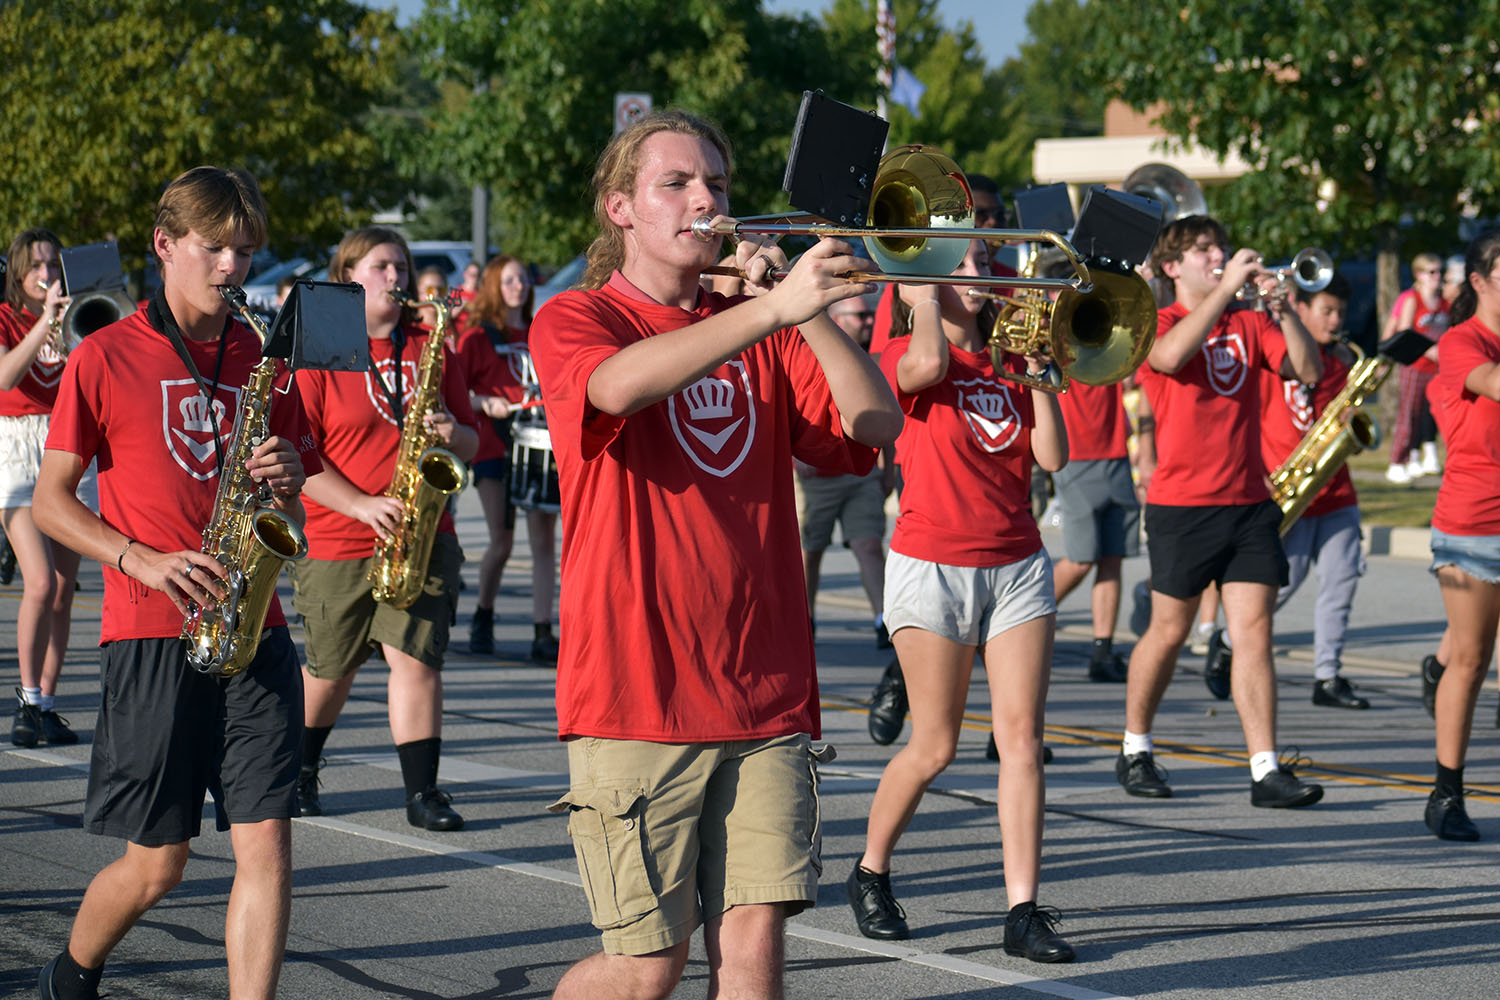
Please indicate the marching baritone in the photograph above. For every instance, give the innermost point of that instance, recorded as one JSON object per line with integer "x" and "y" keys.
{"x": 359, "y": 419}
{"x": 153, "y": 397}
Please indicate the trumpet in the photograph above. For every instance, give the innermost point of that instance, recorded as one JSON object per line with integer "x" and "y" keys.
{"x": 922, "y": 212}
{"x": 1311, "y": 271}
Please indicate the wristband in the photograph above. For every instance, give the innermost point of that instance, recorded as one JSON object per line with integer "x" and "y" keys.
{"x": 928, "y": 302}
{"x": 120, "y": 559}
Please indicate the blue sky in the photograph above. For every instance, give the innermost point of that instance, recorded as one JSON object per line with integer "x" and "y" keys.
{"x": 1000, "y": 25}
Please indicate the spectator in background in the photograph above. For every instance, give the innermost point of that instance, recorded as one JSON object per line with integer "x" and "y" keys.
{"x": 1421, "y": 308}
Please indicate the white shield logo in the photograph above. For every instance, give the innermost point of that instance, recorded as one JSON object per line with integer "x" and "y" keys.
{"x": 189, "y": 424}
{"x": 714, "y": 420}
{"x": 1299, "y": 403}
{"x": 47, "y": 366}
{"x": 1228, "y": 363}
{"x": 991, "y": 412}
{"x": 380, "y": 396}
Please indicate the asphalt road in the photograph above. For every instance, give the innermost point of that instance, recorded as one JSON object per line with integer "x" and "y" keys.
{"x": 1200, "y": 895}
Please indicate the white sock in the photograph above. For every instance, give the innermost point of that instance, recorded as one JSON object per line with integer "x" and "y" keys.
{"x": 1262, "y": 764}
{"x": 1135, "y": 743}
{"x": 31, "y": 696}
{"x": 46, "y": 702}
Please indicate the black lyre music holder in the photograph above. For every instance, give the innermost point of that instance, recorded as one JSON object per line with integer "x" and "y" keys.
{"x": 1404, "y": 346}
{"x": 1116, "y": 226}
{"x": 321, "y": 325}
{"x": 835, "y": 153}
{"x": 93, "y": 267}
{"x": 1046, "y": 207}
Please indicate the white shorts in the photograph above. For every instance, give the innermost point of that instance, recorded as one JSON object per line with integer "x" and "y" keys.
{"x": 22, "y": 440}
{"x": 968, "y": 604}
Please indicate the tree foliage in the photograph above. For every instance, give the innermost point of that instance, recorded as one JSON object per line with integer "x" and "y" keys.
{"x": 106, "y": 102}
{"x": 1394, "y": 104}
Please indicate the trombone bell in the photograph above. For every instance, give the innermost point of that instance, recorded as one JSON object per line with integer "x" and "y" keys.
{"x": 918, "y": 187}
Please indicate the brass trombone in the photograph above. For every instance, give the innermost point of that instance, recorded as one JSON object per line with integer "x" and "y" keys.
{"x": 921, "y": 211}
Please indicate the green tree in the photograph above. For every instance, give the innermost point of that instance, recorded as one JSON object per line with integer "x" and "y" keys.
{"x": 542, "y": 75}
{"x": 1370, "y": 124}
{"x": 106, "y": 102}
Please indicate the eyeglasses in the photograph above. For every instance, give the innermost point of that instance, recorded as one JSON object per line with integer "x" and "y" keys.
{"x": 988, "y": 214}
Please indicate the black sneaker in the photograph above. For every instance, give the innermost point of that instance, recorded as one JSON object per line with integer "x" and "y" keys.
{"x": 1447, "y": 818}
{"x": 1336, "y": 692}
{"x": 1216, "y": 666}
{"x": 544, "y": 650}
{"x": 430, "y": 811}
{"x": 1432, "y": 672}
{"x": 1141, "y": 776}
{"x": 876, "y": 912}
{"x": 27, "y": 727}
{"x": 55, "y": 729}
{"x": 1108, "y": 669}
{"x": 882, "y": 637}
{"x": 307, "y": 789}
{"x": 482, "y": 632}
{"x": 1030, "y": 933}
{"x": 1282, "y": 789}
{"x": 888, "y": 705}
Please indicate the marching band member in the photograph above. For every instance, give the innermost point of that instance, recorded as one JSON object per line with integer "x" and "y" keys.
{"x": 137, "y": 395}
{"x": 1466, "y": 523}
{"x": 358, "y": 419}
{"x": 1208, "y": 510}
{"x": 968, "y": 444}
{"x": 30, "y": 370}
{"x": 686, "y": 685}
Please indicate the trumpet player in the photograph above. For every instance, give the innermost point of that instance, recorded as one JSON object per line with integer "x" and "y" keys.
{"x": 30, "y": 369}
{"x": 359, "y": 419}
{"x": 1209, "y": 514}
{"x": 156, "y": 395}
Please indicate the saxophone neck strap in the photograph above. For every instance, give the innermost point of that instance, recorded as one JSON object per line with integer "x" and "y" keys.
{"x": 159, "y": 315}
{"x": 398, "y": 410}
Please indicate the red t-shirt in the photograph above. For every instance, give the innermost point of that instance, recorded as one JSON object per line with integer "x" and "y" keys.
{"x": 683, "y": 607}
{"x": 1208, "y": 413}
{"x": 489, "y": 371}
{"x": 357, "y": 435}
{"x": 1468, "y": 501}
{"x": 128, "y": 400}
{"x": 1430, "y": 322}
{"x": 37, "y": 389}
{"x": 965, "y": 456}
{"x": 1288, "y": 412}
{"x": 1096, "y": 421}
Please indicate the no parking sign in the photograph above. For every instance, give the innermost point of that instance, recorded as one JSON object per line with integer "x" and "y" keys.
{"x": 630, "y": 107}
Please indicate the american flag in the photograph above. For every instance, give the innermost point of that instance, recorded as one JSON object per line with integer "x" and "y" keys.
{"x": 885, "y": 34}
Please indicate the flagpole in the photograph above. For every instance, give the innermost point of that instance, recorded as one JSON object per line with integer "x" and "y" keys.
{"x": 885, "y": 41}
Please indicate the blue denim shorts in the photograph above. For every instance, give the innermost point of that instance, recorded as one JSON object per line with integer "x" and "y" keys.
{"x": 1476, "y": 555}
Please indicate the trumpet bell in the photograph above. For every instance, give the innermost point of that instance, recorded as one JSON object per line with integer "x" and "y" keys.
{"x": 919, "y": 187}
{"x": 1312, "y": 270}
{"x": 1107, "y": 332}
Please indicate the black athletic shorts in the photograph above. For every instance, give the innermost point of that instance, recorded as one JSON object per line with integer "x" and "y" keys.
{"x": 167, "y": 734}
{"x": 1191, "y": 547}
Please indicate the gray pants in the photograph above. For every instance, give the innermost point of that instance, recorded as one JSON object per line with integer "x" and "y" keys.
{"x": 1332, "y": 542}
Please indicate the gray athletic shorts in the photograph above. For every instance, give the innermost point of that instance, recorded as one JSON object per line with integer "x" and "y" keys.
{"x": 1100, "y": 513}
{"x": 967, "y": 604}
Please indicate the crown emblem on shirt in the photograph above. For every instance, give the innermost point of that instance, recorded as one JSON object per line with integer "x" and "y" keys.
{"x": 709, "y": 398}
{"x": 198, "y": 413}
{"x": 989, "y": 405}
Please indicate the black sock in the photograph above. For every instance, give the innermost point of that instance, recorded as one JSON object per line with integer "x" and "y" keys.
{"x": 541, "y": 630}
{"x": 419, "y": 764}
{"x": 1103, "y": 647}
{"x": 1450, "y": 780}
{"x": 313, "y": 739}
{"x": 72, "y": 981}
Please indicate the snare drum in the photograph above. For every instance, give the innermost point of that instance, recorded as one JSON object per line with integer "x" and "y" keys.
{"x": 533, "y": 474}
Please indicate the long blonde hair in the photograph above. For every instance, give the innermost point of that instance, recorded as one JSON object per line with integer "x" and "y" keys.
{"x": 616, "y": 171}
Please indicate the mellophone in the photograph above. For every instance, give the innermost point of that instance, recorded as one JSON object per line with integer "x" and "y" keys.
{"x": 533, "y": 473}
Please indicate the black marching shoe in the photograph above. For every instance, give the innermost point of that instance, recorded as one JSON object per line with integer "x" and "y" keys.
{"x": 1432, "y": 672}
{"x": 1216, "y": 667}
{"x": 307, "y": 790}
{"x": 27, "y": 727}
{"x": 482, "y": 632}
{"x": 1282, "y": 789}
{"x": 1108, "y": 669}
{"x": 55, "y": 730}
{"x": 1336, "y": 692}
{"x": 1140, "y": 776}
{"x": 1447, "y": 818}
{"x": 888, "y": 705}
{"x": 430, "y": 811}
{"x": 544, "y": 650}
{"x": 876, "y": 912}
{"x": 1030, "y": 933}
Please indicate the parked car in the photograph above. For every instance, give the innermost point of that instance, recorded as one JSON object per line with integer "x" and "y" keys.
{"x": 566, "y": 277}
{"x": 260, "y": 290}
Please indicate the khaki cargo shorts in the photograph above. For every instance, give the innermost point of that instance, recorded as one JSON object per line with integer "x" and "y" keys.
{"x": 669, "y": 835}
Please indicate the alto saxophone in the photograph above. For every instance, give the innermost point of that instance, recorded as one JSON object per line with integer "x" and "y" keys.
{"x": 246, "y": 535}
{"x": 426, "y": 476}
{"x": 1342, "y": 430}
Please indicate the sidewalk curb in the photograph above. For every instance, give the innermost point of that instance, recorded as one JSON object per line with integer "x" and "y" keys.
{"x": 1403, "y": 543}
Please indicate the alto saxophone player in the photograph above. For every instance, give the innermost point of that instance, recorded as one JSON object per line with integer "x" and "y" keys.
{"x": 358, "y": 418}
{"x": 154, "y": 396}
